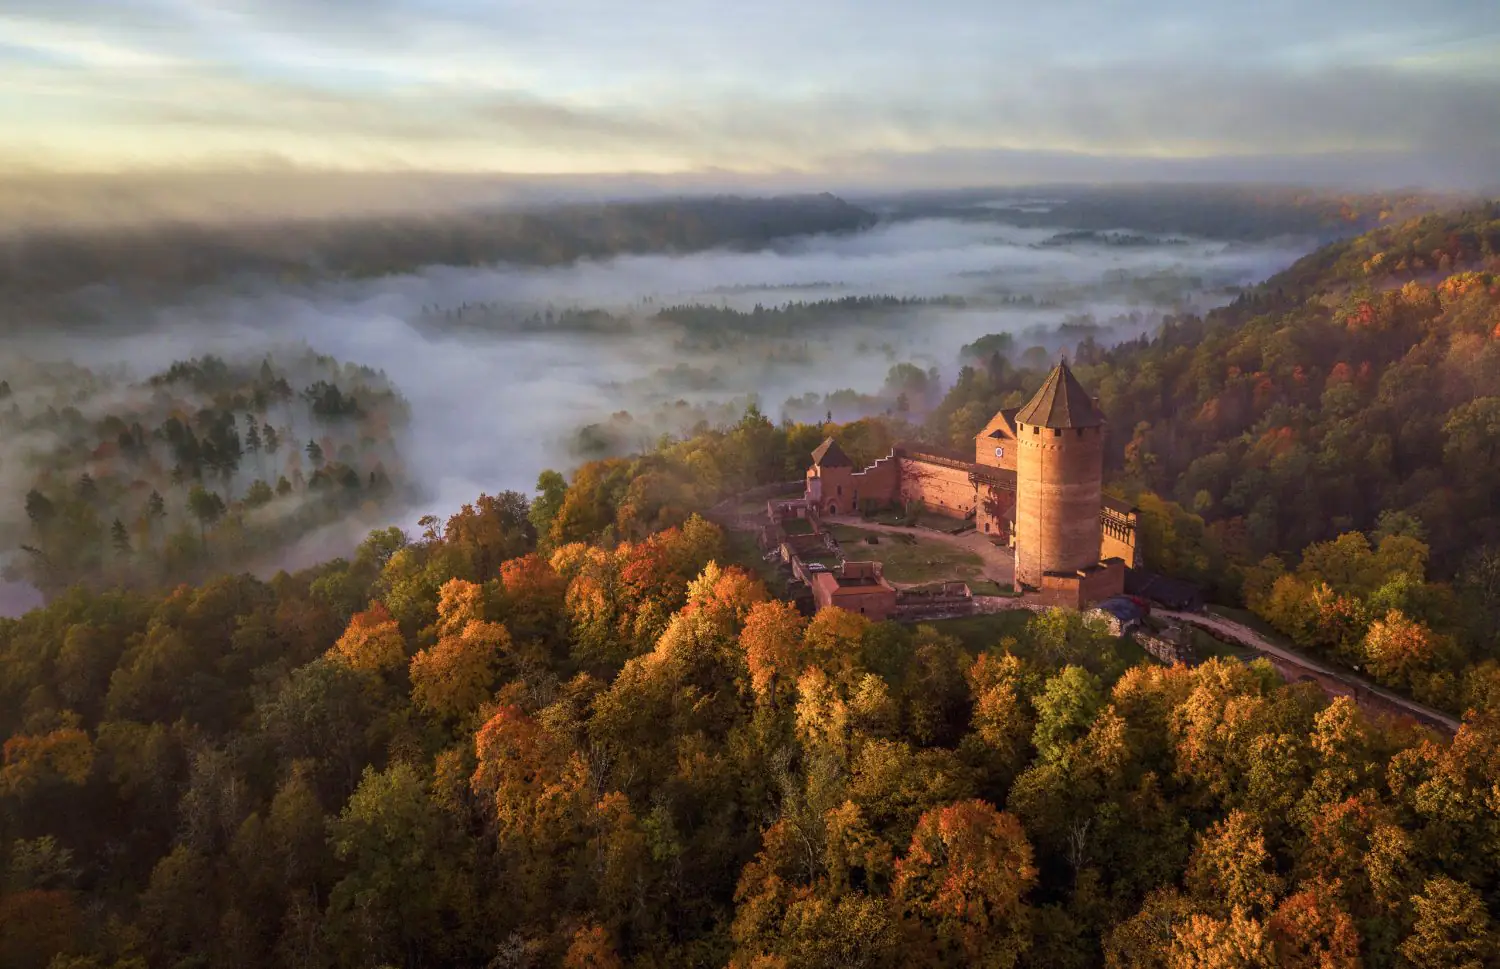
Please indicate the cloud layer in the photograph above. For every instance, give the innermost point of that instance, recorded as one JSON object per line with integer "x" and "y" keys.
{"x": 838, "y": 88}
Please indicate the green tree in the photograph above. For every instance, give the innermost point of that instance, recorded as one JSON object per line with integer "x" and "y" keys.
{"x": 551, "y": 489}
{"x": 1452, "y": 928}
{"x": 119, "y": 538}
{"x": 207, "y": 507}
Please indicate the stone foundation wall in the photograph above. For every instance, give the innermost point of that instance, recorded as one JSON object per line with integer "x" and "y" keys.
{"x": 1167, "y": 651}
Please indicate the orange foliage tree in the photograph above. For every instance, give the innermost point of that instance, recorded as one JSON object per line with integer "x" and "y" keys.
{"x": 965, "y": 877}
{"x": 372, "y": 642}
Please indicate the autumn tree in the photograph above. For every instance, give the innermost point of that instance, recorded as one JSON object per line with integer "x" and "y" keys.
{"x": 773, "y": 643}
{"x": 452, "y": 677}
{"x": 372, "y": 642}
{"x": 1453, "y": 929}
{"x": 965, "y": 878}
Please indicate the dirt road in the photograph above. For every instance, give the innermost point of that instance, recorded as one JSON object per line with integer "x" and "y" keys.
{"x": 1364, "y": 693}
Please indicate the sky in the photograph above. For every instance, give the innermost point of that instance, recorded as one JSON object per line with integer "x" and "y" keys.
{"x": 932, "y": 92}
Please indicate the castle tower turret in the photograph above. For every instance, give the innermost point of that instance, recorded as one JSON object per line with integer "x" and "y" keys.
{"x": 1059, "y": 479}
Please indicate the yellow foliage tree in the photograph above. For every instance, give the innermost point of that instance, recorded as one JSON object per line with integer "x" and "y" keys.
{"x": 372, "y": 642}
{"x": 453, "y": 677}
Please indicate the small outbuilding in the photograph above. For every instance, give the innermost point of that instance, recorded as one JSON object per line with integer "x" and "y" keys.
{"x": 1169, "y": 593}
{"x": 858, "y": 587}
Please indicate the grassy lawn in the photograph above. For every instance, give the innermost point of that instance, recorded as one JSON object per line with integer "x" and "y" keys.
{"x": 909, "y": 558}
{"x": 986, "y": 587}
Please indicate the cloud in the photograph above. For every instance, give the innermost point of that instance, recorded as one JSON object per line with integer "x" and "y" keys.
{"x": 695, "y": 86}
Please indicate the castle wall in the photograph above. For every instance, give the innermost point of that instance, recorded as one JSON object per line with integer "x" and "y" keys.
{"x": 942, "y": 488}
{"x": 995, "y": 512}
{"x": 1111, "y": 547}
{"x": 995, "y": 446}
{"x": 1059, "y": 484}
{"x": 1119, "y": 535}
{"x": 1102, "y": 580}
{"x": 840, "y": 490}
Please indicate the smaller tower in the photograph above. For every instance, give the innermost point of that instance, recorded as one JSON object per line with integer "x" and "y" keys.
{"x": 829, "y": 480}
{"x": 1059, "y": 479}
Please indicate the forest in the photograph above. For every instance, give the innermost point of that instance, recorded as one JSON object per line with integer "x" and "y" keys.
{"x": 205, "y": 465}
{"x": 159, "y": 259}
{"x": 514, "y": 741}
{"x": 1211, "y": 211}
{"x": 577, "y": 728}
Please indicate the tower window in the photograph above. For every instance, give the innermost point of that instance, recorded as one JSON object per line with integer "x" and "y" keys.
{"x": 1057, "y": 432}
{"x": 1036, "y": 430}
{"x": 1080, "y": 432}
{"x": 999, "y": 452}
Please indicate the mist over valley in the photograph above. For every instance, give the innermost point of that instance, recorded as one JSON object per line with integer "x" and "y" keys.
{"x": 510, "y": 368}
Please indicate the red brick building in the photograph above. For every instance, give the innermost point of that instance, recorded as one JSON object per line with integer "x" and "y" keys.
{"x": 858, "y": 587}
{"x": 1034, "y": 482}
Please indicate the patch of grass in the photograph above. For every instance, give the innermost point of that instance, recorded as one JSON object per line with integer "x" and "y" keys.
{"x": 797, "y": 526}
{"x": 942, "y": 523}
{"x": 744, "y": 553}
{"x": 988, "y": 587}
{"x": 1206, "y": 646}
{"x": 910, "y": 558}
{"x": 847, "y": 533}
{"x": 887, "y": 516}
{"x": 982, "y": 633}
{"x": 1247, "y": 618}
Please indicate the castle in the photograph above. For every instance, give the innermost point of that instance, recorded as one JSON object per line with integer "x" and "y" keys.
{"x": 1035, "y": 484}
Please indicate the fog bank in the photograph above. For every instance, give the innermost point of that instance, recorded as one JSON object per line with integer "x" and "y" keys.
{"x": 494, "y": 402}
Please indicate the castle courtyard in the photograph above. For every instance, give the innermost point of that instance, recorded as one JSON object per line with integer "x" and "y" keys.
{"x": 935, "y": 556}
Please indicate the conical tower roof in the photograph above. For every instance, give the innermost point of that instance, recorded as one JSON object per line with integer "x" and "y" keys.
{"x": 830, "y": 455}
{"x": 1062, "y": 402}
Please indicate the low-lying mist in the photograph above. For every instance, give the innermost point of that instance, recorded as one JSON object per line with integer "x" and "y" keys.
{"x": 502, "y": 366}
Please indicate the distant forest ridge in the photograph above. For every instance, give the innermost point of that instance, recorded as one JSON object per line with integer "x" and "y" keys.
{"x": 160, "y": 257}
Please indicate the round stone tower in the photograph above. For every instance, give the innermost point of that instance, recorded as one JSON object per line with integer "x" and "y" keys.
{"x": 1059, "y": 479}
